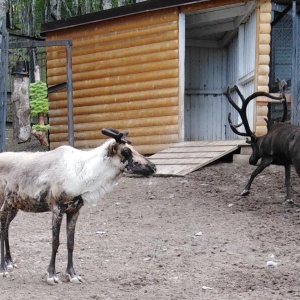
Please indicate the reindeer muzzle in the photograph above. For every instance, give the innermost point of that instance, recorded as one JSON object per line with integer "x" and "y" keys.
{"x": 146, "y": 169}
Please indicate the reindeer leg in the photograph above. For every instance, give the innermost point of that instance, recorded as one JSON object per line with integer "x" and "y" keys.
{"x": 265, "y": 162}
{"x": 8, "y": 259}
{"x": 71, "y": 223}
{"x": 56, "y": 225}
{"x": 288, "y": 199}
{"x": 3, "y": 218}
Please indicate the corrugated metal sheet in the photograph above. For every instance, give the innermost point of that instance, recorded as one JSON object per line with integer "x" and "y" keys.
{"x": 125, "y": 75}
{"x": 240, "y": 69}
{"x": 204, "y": 109}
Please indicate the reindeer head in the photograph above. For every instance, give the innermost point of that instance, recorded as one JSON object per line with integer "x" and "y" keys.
{"x": 136, "y": 163}
{"x": 254, "y": 141}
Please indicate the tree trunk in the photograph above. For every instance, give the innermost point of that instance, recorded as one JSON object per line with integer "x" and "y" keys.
{"x": 33, "y": 19}
{"x": 106, "y": 4}
{"x": 75, "y": 7}
{"x": 21, "y": 108}
{"x": 55, "y": 9}
{"x": 87, "y": 6}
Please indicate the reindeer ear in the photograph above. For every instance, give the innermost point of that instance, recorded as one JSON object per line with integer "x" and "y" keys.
{"x": 112, "y": 149}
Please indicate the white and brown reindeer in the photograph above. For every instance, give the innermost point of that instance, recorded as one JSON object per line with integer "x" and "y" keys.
{"x": 69, "y": 178}
{"x": 279, "y": 146}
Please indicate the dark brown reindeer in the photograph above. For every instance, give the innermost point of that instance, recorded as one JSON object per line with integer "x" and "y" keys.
{"x": 279, "y": 146}
{"x": 62, "y": 181}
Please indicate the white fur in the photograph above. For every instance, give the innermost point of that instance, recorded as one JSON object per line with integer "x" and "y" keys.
{"x": 90, "y": 173}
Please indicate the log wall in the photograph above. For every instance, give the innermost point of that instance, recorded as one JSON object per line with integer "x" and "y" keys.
{"x": 125, "y": 75}
{"x": 264, "y": 9}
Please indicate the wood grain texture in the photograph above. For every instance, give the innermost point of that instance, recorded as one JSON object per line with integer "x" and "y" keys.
{"x": 125, "y": 75}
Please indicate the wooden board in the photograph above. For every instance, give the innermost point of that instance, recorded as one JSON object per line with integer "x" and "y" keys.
{"x": 186, "y": 157}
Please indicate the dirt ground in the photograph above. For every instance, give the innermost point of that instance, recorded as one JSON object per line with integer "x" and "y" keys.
{"x": 176, "y": 238}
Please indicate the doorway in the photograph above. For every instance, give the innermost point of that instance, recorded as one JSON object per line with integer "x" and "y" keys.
{"x": 219, "y": 51}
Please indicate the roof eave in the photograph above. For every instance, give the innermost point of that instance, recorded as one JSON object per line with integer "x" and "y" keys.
{"x": 113, "y": 13}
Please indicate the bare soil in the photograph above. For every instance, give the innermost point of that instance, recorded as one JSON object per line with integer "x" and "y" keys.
{"x": 163, "y": 238}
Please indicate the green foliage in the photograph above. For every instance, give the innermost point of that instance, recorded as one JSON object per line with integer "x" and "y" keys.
{"x": 41, "y": 127}
{"x": 39, "y": 100}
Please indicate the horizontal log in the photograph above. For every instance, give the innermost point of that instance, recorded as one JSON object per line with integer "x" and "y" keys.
{"x": 118, "y": 89}
{"x": 116, "y": 69}
{"x": 265, "y": 28}
{"x": 131, "y": 125}
{"x": 260, "y": 121}
{"x": 115, "y": 57}
{"x": 263, "y": 80}
{"x": 265, "y": 7}
{"x": 263, "y": 88}
{"x": 264, "y": 49}
{"x": 263, "y": 70}
{"x": 264, "y": 38}
{"x": 262, "y": 110}
{"x": 263, "y": 59}
{"x": 124, "y": 24}
{"x": 102, "y": 43}
{"x": 116, "y": 107}
{"x": 261, "y": 130}
{"x": 143, "y": 149}
{"x": 133, "y": 22}
{"x": 128, "y": 79}
{"x": 98, "y": 61}
{"x": 134, "y": 133}
{"x": 134, "y": 114}
{"x": 116, "y": 98}
{"x": 265, "y": 17}
{"x": 132, "y": 79}
{"x": 103, "y": 69}
{"x": 136, "y": 141}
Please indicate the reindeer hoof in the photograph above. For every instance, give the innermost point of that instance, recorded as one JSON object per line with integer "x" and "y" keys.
{"x": 52, "y": 280}
{"x": 288, "y": 202}
{"x": 4, "y": 274}
{"x": 75, "y": 279}
{"x": 11, "y": 266}
{"x": 245, "y": 193}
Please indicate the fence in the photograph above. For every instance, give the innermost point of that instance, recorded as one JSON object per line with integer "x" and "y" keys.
{"x": 284, "y": 63}
{"x": 3, "y": 79}
{"x": 31, "y": 55}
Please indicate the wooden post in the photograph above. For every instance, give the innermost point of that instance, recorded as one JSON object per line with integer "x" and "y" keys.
{"x": 20, "y": 103}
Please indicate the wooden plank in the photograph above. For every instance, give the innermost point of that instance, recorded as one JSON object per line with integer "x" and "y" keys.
{"x": 197, "y": 149}
{"x": 208, "y": 143}
{"x": 166, "y": 155}
{"x": 180, "y": 161}
{"x": 183, "y": 158}
{"x": 174, "y": 170}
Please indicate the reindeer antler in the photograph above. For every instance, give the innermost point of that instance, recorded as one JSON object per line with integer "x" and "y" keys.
{"x": 243, "y": 111}
{"x": 120, "y": 137}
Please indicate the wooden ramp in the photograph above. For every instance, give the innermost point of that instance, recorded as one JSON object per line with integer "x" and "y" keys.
{"x": 186, "y": 157}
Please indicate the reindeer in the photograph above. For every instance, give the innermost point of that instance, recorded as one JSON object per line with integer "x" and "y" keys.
{"x": 280, "y": 146}
{"x": 62, "y": 181}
